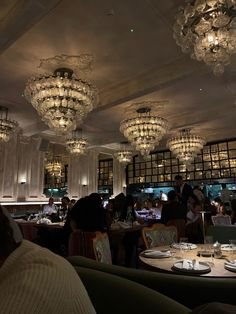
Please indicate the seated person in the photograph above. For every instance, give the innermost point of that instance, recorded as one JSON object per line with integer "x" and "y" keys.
{"x": 50, "y": 208}
{"x": 172, "y": 209}
{"x": 34, "y": 280}
{"x": 193, "y": 228}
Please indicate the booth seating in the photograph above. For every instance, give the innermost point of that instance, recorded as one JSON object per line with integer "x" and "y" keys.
{"x": 222, "y": 233}
{"x": 190, "y": 291}
{"x": 120, "y": 295}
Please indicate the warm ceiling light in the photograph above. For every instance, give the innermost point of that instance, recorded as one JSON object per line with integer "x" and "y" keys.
{"x": 125, "y": 154}
{"x": 207, "y": 30}
{"x": 54, "y": 166}
{"x": 7, "y": 127}
{"x": 76, "y": 144}
{"x": 143, "y": 127}
{"x": 61, "y": 99}
{"x": 185, "y": 146}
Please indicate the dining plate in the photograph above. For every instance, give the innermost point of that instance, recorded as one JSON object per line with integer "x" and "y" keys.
{"x": 156, "y": 254}
{"x": 230, "y": 268}
{"x": 227, "y": 247}
{"x": 189, "y": 246}
{"x": 203, "y": 268}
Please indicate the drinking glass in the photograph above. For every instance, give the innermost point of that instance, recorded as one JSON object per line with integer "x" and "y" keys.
{"x": 183, "y": 241}
{"x": 233, "y": 249}
{"x": 208, "y": 243}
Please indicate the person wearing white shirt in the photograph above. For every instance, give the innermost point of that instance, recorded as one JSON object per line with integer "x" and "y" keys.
{"x": 50, "y": 208}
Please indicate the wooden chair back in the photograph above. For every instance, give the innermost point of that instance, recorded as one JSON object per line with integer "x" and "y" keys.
{"x": 180, "y": 226}
{"x": 81, "y": 243}
{"x": 158, "y": 235}
{"x": 101, "y": 246}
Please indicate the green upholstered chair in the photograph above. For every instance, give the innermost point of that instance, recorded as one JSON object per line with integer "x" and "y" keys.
{"x": 121, "y": 295}
{"x": 191, "y": 291}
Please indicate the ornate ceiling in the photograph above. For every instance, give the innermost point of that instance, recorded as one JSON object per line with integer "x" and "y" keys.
{"x": 135, "y": 59}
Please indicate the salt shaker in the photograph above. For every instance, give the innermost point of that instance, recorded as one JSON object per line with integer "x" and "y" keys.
{"x": 217, "y": 250}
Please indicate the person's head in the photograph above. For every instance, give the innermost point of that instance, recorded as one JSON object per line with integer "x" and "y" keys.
{"x": 65, "y": 201}
{"x": 9, "y": 238}
{"x": 178, "y": 180}
{"x": 196, "y": 207}
{"x": 172, "y": 196}
{"x": 129, "y": 200}
{"x": 50, "y": 200}
{"x": 95, "y": 200}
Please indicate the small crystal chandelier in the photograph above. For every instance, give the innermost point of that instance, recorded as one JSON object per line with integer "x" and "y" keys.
{"x": 144, "y": 128}
{"x": 76, "y": 144}
{"x": 60, "y": 98}
{"x": 54, "y": 167}
{"x": 125, "y": 154}
{"x": 185, "y": 146}
{"x": 7, "y": 127}
{"x": 207, "y": 30}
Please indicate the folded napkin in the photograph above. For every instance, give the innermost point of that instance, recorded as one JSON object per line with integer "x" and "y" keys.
{"x": 157, "y": 254}
{"x": 231, "y": 264}
{"x": 190, "y": 264}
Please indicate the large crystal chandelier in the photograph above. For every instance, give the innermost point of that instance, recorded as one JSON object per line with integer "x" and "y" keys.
{"x": 125, "y": 154}
{"x": 207, "y": 30}
{"x": 143, "y": 127}
{"x": 76, "y": 144}
{"x": 54, "y": 167}
{"x": 185, "y": 146}
{"x": 61, "y": 99}
{"x": 7, "y": 126}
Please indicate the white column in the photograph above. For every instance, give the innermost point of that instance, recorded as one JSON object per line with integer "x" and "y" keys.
{"x": 119, "y": 177}
{"x": 82, "y": 174}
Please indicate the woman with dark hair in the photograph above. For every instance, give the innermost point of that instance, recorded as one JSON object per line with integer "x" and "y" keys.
{"x": 33, "y": 279}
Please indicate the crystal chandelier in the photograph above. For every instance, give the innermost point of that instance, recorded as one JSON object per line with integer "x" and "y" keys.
{"x": 144, "y": 128}
{"x": 61, "y": 99}
{"x": 125, "y": 154}
{"x": 76, "y": 144}
{"x": 54, "y": 167}
{"x": 207, "y": 30}
{"x": 185, "y": 146}
{"x": 7, "y": 127}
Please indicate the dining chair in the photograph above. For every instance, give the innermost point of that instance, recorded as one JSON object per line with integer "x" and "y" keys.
{"x": 158, "y": 235}
{"x": 180, "y": 226}
{"x": 221, "y": 220}
{"x": 81, "y": 243}
{"x": 101, "y": 248}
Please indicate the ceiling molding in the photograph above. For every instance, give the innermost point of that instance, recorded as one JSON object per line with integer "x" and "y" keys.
{"x": 20, "y": 17}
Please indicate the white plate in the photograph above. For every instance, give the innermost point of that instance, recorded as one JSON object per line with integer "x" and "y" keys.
{"x": 189, "y": 246}
{"x": 203, "y": 268}
{"x": 230, "y": 268}
{"x": 227, "y": 247}
{"x": 156, "y": 254}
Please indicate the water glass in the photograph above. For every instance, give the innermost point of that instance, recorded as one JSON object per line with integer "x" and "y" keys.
{"x": 233, "y": 249}
{"x": 183, "y": 241}
{"x": 208, "y": 243}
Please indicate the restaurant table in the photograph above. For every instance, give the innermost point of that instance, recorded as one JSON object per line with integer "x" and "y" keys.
{"x": 166, "y": 264}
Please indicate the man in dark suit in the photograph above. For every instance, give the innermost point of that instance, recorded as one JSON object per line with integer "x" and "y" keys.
{"x": 183, "y": 190}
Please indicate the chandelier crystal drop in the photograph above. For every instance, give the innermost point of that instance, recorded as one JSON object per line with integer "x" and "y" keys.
{"x": 7, "y": 126}
{"x": 185, "y": 146}
{"x": 207, "y": 30}
{"x": 61, "y": 99}
{"x": 76, "y": 144}
{"x": 144, "y": 128}
{"x": 54, "y": 167}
